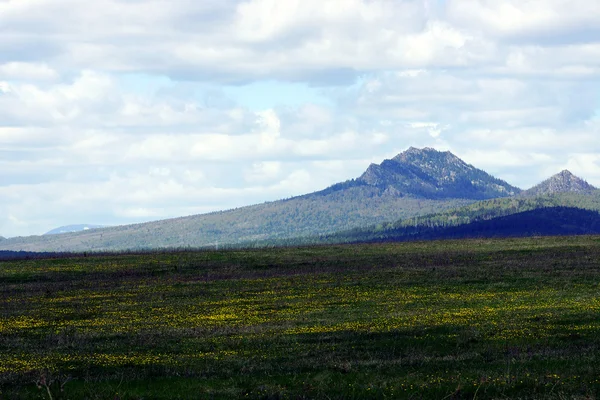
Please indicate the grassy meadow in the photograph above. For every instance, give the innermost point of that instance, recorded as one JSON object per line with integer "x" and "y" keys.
{"x": 514, "y": 318}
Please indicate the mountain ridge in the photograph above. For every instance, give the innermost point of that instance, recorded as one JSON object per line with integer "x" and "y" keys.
{"x": 415, "y": 183}
{"x": 561, "y": 182}
{"x": 434, "y": 174}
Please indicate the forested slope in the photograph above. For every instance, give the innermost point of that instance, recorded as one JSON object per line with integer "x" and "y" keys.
{"x": 308, "y": 215}
{"x": 422, "y": 226}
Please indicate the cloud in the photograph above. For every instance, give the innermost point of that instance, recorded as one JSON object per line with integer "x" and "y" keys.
{"x": 263, "y": 172}
{"x": 27, "y": 71}
{"x": 538, "y": 21}
{"x": 88, "y": 150}
{"x": 458, "y": 98}
{"x": 584, "y": 164}
{"x": 238, "y": 41}
{"x": 121, "y": 111}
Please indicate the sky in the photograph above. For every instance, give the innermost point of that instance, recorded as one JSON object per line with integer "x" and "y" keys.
{"x": 123, "y": 111}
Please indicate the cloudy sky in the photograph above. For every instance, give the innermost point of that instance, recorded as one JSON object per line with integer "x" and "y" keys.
{"x": 120, "y": 111}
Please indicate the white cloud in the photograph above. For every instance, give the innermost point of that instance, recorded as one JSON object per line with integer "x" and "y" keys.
{"x": 433, "y": 128}
{"x": 530, "y": 20}
{"x": 115, "y": 111}
{"x": 586, "y": 165}
{"x": 322, "y": 41}
{"x": 27, "y": 71}
{"x": 264, "y": 171}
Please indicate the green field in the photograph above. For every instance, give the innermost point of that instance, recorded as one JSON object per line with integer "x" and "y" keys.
{"x": 516, "y": 318}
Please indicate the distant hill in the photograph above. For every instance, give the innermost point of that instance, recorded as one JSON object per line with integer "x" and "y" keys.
{"x": 313, "y": 214}
{"x": 562, "y": 182}
{"x": 416, "y": 182}
{"x": 73, "y": 228}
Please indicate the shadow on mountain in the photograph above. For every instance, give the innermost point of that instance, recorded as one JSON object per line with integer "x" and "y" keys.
{"x": 551, "y": 221}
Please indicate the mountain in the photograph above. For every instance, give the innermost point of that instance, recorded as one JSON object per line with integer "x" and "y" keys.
{"x": 73, "y": 228}
{"x": 423, "y": 190}
{"x": 313, "y": 214}
{"x": 416, "y": 182}
{"x": 432, "y": 174}
{"x": 562, "y": 182}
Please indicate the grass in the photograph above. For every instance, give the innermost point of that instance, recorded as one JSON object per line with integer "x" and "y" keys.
{"x": 514, "y": 318}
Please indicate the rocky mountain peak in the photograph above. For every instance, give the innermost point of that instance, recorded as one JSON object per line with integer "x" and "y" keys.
{"x": 416, "y": 150}
{"x": 566, "y": 175}
{"x": 434, "y": 174}
{"x": 428, "y": 155}
{"x": 562, "y": 182}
